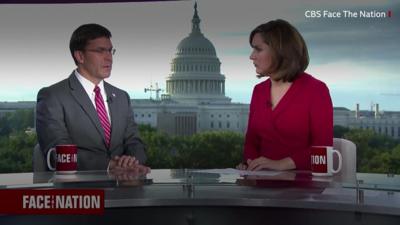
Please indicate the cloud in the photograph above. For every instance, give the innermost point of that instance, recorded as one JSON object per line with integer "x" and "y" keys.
{"x": 353, "y": 39}
{"x": 345, "y": 75}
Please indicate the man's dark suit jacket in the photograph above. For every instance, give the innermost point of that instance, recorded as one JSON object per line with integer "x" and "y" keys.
{"x": 66, "y": 115}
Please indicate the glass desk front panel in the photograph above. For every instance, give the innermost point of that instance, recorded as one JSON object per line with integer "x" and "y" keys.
{"x": 162, "y": 190}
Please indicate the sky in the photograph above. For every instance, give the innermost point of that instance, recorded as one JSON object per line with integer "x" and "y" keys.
{"x": 358, "y": 58}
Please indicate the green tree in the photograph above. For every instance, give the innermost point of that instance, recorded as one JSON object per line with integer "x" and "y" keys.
{"x": 5, "y": 128}
{"x": 159, "y": 149}
{"x": 375, "y": 153}
{"x": 339, "y": 131}
{"x": 394, "y": 161}
{"x": 16, "y": 145}
{"x": 16, "y": 121}
{"x": 202, "y": 150}
{"x": 211, "y": 150}
{"x": 16, "y": 152}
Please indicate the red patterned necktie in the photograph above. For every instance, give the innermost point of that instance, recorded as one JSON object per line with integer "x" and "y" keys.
{"x": 103, "y": 116}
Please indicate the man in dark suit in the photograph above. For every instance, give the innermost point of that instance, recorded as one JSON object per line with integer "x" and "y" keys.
{"x": 87, "y": 111}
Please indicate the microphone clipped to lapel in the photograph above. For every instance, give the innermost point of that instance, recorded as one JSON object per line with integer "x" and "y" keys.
{"x": 111, "y": 97}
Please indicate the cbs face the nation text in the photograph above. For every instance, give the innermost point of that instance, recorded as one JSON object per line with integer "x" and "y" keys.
{"x": 333, "y": 14}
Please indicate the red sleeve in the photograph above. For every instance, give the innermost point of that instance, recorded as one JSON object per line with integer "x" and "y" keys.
{"x": 251, "y": 144}
{"x": 321, "y": 124}
{"x": 321, "y": 117}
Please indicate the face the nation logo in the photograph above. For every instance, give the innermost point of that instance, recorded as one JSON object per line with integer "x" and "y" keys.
{"x": 53, "y": 201}
{"x": 61, "y": 201}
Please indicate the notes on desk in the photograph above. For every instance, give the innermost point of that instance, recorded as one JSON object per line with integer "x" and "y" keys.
{"x": 239, "y": 172}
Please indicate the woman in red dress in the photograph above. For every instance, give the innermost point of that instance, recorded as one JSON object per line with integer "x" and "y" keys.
{"x": 291, "y": 110}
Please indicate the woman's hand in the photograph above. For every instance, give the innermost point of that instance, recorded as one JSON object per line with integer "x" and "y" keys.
{"x": 261, "y": 163}
{"x": 266, "y": 163}
{"x": 242, "y": 166}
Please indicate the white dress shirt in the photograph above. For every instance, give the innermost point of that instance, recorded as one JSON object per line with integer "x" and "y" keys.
{"x": 89, "y": 88}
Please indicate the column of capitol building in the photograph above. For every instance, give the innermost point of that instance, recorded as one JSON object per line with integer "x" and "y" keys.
{"x": 196, "y": 101}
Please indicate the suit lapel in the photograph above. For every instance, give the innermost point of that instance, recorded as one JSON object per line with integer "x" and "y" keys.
{"x": 80, "y": 95}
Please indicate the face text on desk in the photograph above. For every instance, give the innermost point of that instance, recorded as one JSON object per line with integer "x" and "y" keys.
{"x": 66, "y": 158}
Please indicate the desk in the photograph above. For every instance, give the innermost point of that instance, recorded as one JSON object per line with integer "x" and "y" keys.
{"x": 188, "y": 197}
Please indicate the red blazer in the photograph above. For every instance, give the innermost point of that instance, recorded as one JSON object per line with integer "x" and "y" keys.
{"x": 302, "y": 118}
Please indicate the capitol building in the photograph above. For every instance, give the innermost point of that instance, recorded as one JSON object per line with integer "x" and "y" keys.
{"x": 195, "y": 99}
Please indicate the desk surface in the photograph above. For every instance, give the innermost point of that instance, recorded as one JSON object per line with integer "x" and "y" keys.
{"x": 376, "y": 193}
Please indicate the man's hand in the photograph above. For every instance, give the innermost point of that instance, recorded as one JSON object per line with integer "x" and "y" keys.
{"x": 126, "y": 162}
{"x": 123, "y": 162}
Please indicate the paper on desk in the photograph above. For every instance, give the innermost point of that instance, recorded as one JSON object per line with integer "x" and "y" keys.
{"x": 239, "y": 172}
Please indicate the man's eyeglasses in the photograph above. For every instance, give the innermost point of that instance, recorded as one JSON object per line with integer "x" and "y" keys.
{"x": 102, "y": 51}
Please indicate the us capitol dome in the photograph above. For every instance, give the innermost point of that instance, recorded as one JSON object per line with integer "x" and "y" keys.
{"x": 195, "y": 98}
{"x": 196, "y": 70}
